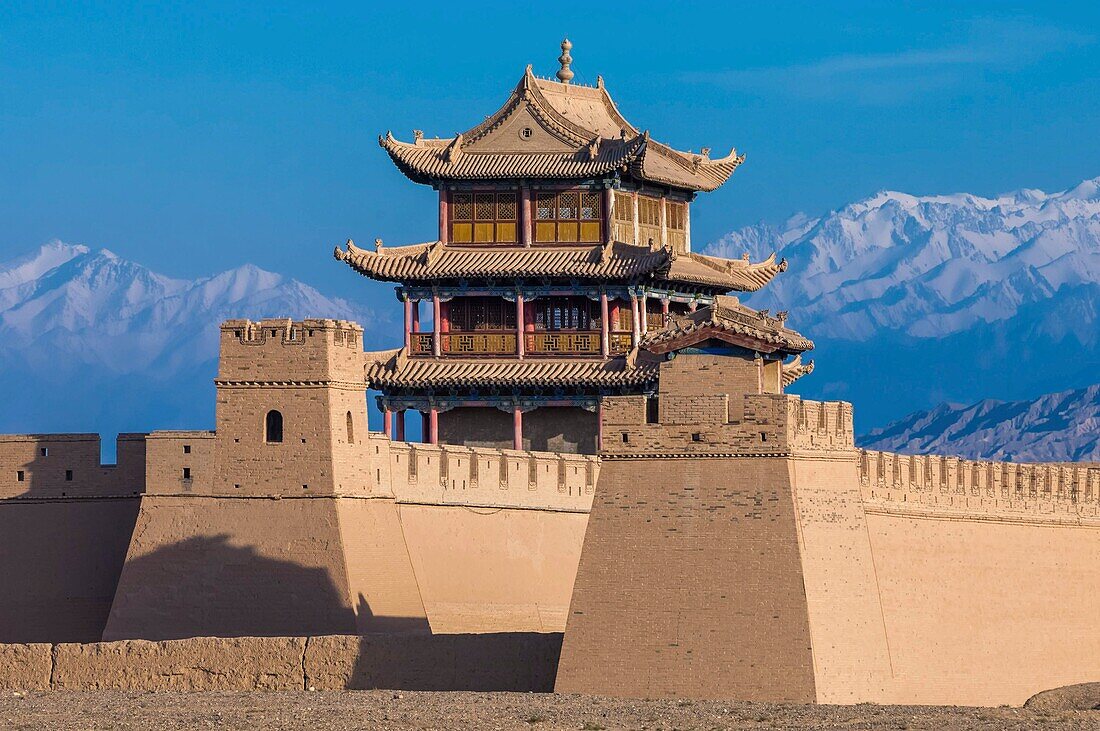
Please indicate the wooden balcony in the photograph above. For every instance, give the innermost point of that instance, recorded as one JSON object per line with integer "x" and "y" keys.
{"x": 620, "y": 342}
{"x": 498, "y": 343}
{"x": 571, "y": 343}
{"x": 478, "y": 343}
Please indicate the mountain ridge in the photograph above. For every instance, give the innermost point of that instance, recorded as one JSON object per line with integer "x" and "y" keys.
{"x": 89, "y": 341}
{"x": 956, "y": 296}
{"x": 1055, "y": 427}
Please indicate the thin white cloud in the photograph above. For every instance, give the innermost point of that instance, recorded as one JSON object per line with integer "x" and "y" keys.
{"x": 991, "y": 44}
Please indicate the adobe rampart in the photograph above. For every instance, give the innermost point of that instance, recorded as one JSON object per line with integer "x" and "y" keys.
{"x": 841, "y": 575}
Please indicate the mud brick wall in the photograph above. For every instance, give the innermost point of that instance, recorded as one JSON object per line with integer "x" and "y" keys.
{"x": 520, "y": 662}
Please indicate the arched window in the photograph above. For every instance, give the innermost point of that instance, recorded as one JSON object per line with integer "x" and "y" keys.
{"x": 351, "y": 430}
{"x": 273, "y": 426}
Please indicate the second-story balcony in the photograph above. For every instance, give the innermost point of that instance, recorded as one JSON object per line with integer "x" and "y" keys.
{"x": 537, "y": 343}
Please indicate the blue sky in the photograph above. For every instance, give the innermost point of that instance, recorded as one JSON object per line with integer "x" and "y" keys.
{"x": 197, "y": 139}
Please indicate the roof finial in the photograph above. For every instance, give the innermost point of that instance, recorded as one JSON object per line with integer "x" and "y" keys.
{"x": 565, "y": 74}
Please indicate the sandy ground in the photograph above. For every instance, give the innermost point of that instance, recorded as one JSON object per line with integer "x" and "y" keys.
{"x": 332, "y": 711}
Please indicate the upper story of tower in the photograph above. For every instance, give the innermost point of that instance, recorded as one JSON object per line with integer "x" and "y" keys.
{"x": 557, "y": 184}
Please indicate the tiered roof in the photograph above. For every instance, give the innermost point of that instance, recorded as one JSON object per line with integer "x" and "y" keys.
{"x": 796, "y": 369}
{"x": 615, "y": 261}
{"x": 729, "y": 321}
{"x": 392, "y": 369}
{"x": 556, "y": 130}
{"x": 726, "y": 320}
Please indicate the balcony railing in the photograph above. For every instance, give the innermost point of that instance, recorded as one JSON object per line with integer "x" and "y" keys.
{"x": 621, "y": 342}
{"x": 535, "y": 343}
{"x": 420, "y": 344}
{"x": 575, "y": 343}
{"x": 479, "y": 343}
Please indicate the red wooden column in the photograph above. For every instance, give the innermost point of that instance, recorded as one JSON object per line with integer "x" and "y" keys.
{"x": 437, "y": 341}
{"x": 433, "y": 426}
{"x": 608, "y": 204}
{"x": 526, "y": 222}
{"x": 521, "y": 347}
{"x": 644, "y": 307}
{"x": 408, "y": 323}
{"x": 517, "y": 427}
{"x": 416, "y": 316}
{"x": 444, "y": 215}
{"x": 400, "y": 419}
{"x": 635, "y": 319}
{"x": 605, "y": 327}
{"x": 664, "y": 312}
{"x": 387, "y": 422}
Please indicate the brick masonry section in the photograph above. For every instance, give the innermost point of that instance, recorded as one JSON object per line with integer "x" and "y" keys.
{"x": 690, "y": 585}
{"x": 520, "y": 662}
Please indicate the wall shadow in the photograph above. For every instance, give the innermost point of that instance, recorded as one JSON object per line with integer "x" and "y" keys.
{"x": 205, "y": 587}
{"x": 505, "y": 661}
{"x": 367, "y": 622}
{"x": 60, "y": 562}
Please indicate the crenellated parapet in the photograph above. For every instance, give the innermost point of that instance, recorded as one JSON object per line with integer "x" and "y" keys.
{"x": 67, "y": 466}
{"x": 753, "y": 424}
{"x": 820, "y": 425}
{"x": 491, "y": 478}
{"x": 290, "y": 352}
{"x": 936, "y": 482}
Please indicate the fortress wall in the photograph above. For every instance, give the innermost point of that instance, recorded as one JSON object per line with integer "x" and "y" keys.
{"x": 987, "y": 574}
{"x": 180, "y": 462}
{"x": 494, "y": 535}
{"x": 493, "y": 569}
{"x": 202, "y": 566}
{"x": 487, "y": 662}
{"x": 63, "y": 541}
{"x": 445, "y": 529}
{"x": 60, "y": 562}
{"x": 850, "y": 648}
{"x": 454, "y": 475}
{"x": 67, "y": 465}
{"x": 691, "y": 584}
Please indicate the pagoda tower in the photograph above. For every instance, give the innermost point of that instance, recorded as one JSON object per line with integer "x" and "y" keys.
{"x": 564, "y": 240}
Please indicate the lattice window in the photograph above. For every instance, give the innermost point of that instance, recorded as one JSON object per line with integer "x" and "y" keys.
{"x": 649, "y": 211}
{"x": 467, "y": 314}
{"x": 566, "y": 313}
{"x": 569, "y": 217}
{"x": 483, "y": 218}
{"x": 649, "y": 221}
{"x": 677, "y": 215}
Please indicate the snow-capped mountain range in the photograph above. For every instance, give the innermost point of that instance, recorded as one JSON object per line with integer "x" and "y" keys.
{"x": 916, "y": 300}
{"x": 92, "y": 342}
{"x": 1056, "y": 427}
{"x": 913, "y": 302}
{"x": 934, "y": 265}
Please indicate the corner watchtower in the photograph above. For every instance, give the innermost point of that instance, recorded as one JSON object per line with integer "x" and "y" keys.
{"x": 290, "y": 406}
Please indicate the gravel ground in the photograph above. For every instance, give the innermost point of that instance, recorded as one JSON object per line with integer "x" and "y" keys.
{"x": 340, "y": 710}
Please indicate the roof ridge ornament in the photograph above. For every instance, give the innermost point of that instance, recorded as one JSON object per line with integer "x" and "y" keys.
{"x": 454, "y": 150}
{"x": 565, "y": 74}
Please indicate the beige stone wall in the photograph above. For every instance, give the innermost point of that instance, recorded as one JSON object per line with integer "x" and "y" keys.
{"x": 492, "y": 569}
{"x": 851, "y": 655}
{"x": 179, "y": 462}
{"x": 60, "y": 560}
{"x": 691, "y": 585}
{"x": 495, "y": 662}
{"x": 986, "y": 572}
{"x": 68, "y": 465}
{"x": 704, "y": 409}
{"x": 245, "y": 566}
